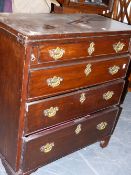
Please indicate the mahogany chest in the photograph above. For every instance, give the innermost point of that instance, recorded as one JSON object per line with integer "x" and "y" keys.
{"x": 61, "y": 82}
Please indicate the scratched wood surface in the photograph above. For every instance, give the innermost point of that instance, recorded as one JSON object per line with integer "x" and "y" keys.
{"x": 46, "y": 24}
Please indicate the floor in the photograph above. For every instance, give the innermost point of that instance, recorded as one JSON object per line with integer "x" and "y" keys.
{"x": 93, "y": 160}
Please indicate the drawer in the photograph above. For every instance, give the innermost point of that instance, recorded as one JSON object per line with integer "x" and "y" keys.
{"x": 49, "y": 145}
{"x": 77, "y": 49}
{"x": 51, "y": 81}
{"x": 52, "y": 111}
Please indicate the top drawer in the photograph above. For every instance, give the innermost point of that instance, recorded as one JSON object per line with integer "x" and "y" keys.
{"x": 79, "y": 48}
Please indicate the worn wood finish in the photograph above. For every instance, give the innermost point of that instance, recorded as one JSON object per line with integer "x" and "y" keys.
{"x": 72, "y": 105}
{"x": 65, "y": 135}
{"x": 22, "y": 106}
{"x": 120, "y": 10}
{"x": 35, "y": 28}
{"x": 78, "y": 49}
{"x": 24, "y": 93}
{"x": 11, "y": 63}
{"x": 74, "y": 76}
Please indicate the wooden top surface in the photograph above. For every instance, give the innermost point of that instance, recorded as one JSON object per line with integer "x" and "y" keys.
{"x": 57, "y": 24}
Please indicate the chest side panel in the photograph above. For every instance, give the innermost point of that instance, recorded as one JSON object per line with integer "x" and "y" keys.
{"x": 11, "y": 67}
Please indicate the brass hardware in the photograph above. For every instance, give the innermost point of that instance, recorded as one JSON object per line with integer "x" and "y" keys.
{"x": 108, "y": 95}
{"x": 113, "y": 70}
{"x": 54, "y": 82}
{"x": 124, "y": 66}
{"x": 51, "y": 112}
{"x": 101, "y": 126}
{"x": 88, "y": 69}
{"x": 82, "y": 98}
{"x": 47, "y": 148}
{"x": 91, "y": 49}
{"x": 78, "y": 129}
{"x": 56, "y": 53}
{"x": 118, "y": 46}
{"x": 22, "y": 38}
{"x": 33, "y": 58}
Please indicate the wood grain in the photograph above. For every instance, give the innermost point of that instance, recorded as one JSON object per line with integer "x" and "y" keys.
{"x": 70, "y": 106}
{"x": 78, "y": 49}
{"x": 65, "y": 135}
{"x": 74, "y": 76}
{"x": 11, "y": 66}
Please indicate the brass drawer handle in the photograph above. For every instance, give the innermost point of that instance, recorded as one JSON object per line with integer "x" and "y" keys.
{"x": 118, "y": 46}
{"x": 88, "y": 69}
{"x": 56, "y": 53}
{"x": 101, "y": 126}
{"x": 51, "y": 112}
{"x": 82, "y": 98}
{"x": 91, "y": 48}
{"x": 47, "y": 148}
{"x": 54, "y": 82}
{"x": 108, "y": 95}
{"x": 113, "y": 70}
{"x": 78, "y": 129}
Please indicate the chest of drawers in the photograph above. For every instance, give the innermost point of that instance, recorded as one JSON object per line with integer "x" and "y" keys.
{"x": 62, "y": 78}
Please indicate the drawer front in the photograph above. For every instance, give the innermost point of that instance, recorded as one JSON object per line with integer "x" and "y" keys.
{"x": 59, "y": 141}
{"x": 70, "y": 49}
{"x": 63, "y": 108}
{"x": 47, "y": 82}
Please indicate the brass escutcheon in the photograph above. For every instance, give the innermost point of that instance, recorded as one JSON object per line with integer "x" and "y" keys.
{"x": 47, "y": 148}
{"x": 113, "y": 70}
{"x": 118, "y": 46}
{"x": 54, "y": 82}
{"x": 88, "y": 69}
{"x": 108, "y": 95}
{"x": 101, "y": 126}
{"x": 56, "y": 53}
{"x": 33, "y": 58}
{"x": 78, "y": 129}
{"x": 82, "y": 98}
{"x": 91, "y": 48}
{"x": 51, "y": 112}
